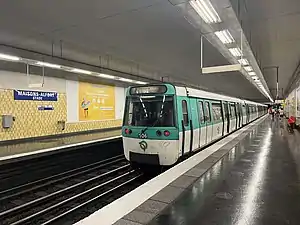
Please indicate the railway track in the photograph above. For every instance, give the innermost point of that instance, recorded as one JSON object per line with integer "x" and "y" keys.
{"x": 30, "y": 169}
{"x": 68, "y": 196}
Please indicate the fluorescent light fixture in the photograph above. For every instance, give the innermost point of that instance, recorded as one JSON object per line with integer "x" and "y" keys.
{"x": 35, "y": 85}
{"x": 248, "y": 68}
{"x": 255, "y": 77}
{"x": 64, "y": 68}
{"x": 106, "y": 76}
{"x": 235, "y": 52}
{"x": 126, "y": 80}
{"x": 206, "y": 11}
{"x": 221, "y": 69}
{"x": 225, "y": 36}
{"x": 252, "y": 73}
{"x": 244, "y": 62}
{"x": 76, "y": 70}
{"x": 9, "y": 57}
{"x": 45, "y": 64}
{"x": 140, "y": 82}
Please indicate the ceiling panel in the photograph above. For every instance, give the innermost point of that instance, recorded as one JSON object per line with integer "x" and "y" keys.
{"x": 150, "y": 32}
{"x": 276, "y": 36}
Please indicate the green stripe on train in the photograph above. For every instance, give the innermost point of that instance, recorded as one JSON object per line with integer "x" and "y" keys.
{"x": 152, "y": 133}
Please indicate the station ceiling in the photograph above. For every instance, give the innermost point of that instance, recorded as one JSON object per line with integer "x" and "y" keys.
{"x": 275, "y": 35}
{"x": 151, "y": 38}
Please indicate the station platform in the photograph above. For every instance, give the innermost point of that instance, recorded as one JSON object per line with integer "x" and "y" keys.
{"x": 257, "y": 182}
{"x": 249, "y": 177}
{"x": 14, "y": 151}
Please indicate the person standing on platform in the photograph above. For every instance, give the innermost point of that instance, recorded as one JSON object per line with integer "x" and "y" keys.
{"x": 271, "y": 111}
{"x": 281, "y": 113}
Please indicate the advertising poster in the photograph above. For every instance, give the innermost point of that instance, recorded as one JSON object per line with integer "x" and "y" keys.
{"x": 96, "y": 102}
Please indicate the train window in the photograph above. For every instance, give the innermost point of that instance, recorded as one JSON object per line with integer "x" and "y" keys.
{"x": 229, "y": 109}
{"x": 207, "y": 113}
{"x": 217, "y": 111}
{"x": 201, "y": 112}
{"x": 239, "y": 109}
{"x": 244, "y": 110}
{"x": 226, "y": 110}
{"x": 157, "y": 111}
{"x": 185, "y": 113}
{"x": 233, "y": 115}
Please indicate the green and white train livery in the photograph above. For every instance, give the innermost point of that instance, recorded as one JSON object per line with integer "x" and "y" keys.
{"x": 163, "y": 123}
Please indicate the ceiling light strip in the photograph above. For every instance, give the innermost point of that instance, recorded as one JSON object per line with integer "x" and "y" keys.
{"x": 248, "y": 68}
{"x": 6, "y": 57}
{"x": 76, "y": 70}
{"x": 9, "y": 57}
{"x": 235, "y": 52}
{"x": 206, "y": 11}
{"x": 225, "y": 36}
{"x": 46, "y": 64}
{"x": 243, "y": 62}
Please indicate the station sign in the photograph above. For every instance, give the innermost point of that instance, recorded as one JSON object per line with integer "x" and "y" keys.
{"x": 35, "y": 95}
{"x": 158, "y": 89}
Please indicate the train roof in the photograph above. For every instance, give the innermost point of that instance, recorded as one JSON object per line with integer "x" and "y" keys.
{"x": 187, "y": 91}
{"x": 210, "y": 95}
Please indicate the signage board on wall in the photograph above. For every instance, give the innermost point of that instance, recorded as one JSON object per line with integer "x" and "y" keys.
{"x": 45, "y": 107}
{"x": 35, "y": 95}
{"x": 96, "y": 102}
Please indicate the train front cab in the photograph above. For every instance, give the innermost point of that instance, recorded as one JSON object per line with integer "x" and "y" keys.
{"x": 150, "y": 127}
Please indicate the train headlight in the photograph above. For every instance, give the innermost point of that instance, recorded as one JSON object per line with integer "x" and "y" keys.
{"x": 167, "y": 133}
{"x": 158, "y": 133}
{"x": 128, "y": 131}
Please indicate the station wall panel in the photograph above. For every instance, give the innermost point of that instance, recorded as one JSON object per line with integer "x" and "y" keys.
{"x": 31, "y": 122}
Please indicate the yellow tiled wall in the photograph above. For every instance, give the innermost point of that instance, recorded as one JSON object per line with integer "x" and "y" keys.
{"x": 30, "y": 122}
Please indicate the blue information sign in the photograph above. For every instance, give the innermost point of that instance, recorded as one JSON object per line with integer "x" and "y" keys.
{"x": 35, "y": 95}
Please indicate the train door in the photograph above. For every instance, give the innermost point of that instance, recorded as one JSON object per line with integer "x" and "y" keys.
{"x": 244, "y": 114}
{"x": 238, "y": 109}
{"x": 226, "y": 118}
{"x": 208, "y": 121}
{"x": 185, "y": 127}
{"x": 233, "y": 118}
{"x": 236, "y": 116}
{"x": 202, "y": 124}
{"x": 217, "y": 120}
{"x": 248, "y": 111}
{"x": 194, "y": 124}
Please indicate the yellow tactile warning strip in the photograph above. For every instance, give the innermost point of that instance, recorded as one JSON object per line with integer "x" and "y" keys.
{"x": 14, "y": 149}
{"x": 31, "y": 122}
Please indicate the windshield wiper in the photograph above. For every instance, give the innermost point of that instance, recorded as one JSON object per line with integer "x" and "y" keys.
{"x": 155, "y": 122}
{"x": 161, "y": 114}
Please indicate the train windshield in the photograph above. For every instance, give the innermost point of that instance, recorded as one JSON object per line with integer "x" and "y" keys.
{"x": 149, "y": 111}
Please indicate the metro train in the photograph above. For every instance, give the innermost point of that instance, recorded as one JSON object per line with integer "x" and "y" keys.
{"x": 164, "y": 123}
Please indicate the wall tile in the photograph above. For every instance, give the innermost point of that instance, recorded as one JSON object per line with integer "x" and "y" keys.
{"x": 30, "y": 122}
